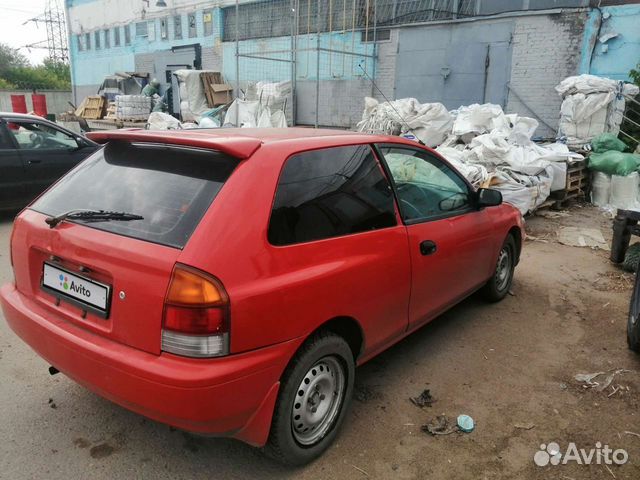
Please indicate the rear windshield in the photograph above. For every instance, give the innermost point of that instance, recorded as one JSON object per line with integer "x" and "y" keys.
{"x": 171, "y": 187}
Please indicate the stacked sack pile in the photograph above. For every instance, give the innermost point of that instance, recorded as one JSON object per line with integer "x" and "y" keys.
{"x": 615, "y": 174}
{"x": 489, "y": 147}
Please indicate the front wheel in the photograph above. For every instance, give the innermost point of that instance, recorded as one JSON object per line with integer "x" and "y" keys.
{"x": 315, "y": 392}
{"x": 633, "y": 323}
{"x": 500, "y": 282}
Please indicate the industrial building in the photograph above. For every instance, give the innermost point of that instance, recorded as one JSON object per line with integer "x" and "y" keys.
{"x": 335, "y": 52}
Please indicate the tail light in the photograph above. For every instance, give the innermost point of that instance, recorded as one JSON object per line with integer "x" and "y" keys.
{"x": 196, "y": 315}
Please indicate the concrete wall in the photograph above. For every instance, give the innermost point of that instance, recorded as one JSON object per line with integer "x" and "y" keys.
{"x": 611, "y": 44}
{"x": 546, "y": 49}
{"x": 56, "y": 100}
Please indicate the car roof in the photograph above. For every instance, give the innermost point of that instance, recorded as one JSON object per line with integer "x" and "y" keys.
{"x": 24, "y": 116}
{"x": 240, "y": 142}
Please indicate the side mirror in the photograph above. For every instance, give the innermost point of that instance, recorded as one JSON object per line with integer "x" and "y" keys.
{"x": 81, "y": 142}
{"x": 488, "y": 197}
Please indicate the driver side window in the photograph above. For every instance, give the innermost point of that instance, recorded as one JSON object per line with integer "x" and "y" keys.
{"x": 427, "y": 188}
{"x": 39, "y": 136}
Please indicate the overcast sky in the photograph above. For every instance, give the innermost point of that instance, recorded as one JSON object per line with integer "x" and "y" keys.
{"x": 13, "y": 14}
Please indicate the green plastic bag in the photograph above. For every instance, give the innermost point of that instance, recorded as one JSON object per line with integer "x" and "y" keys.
{"x": 614, "y": 163}
{"x": 606, "y": 142}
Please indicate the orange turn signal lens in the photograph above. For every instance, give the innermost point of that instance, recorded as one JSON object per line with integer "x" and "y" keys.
{"x": 193, "y": 288}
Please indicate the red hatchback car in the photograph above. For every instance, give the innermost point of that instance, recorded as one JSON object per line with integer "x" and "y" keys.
{"x": 228, "y": 282}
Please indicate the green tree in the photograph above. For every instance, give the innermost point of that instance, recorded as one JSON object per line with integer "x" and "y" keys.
{"x": 11, "y": 58}
{"x": 16, "y": 72}
{"x": 630, "y": 124}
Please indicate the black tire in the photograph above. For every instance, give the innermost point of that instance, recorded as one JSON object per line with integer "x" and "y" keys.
{"x": 286, "y": 439}
{"x": 633, "y": 320}
{"x": 632, "y": 258}
{"x": 498, "y": 285}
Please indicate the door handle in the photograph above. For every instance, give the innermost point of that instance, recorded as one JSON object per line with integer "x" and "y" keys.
{"x": 31, "y": 162}
{"x": 428, "y": 247}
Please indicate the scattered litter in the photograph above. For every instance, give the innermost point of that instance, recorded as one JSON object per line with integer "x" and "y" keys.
{"x": 582, "y": 237}
{"x": 609, "y": 470}
{"x": 424, "y": 399}
{"x": 465, "y": 423}
{"x": 524, "y": 426}
{"x": 615, "y": 390}
{"x": 589, "y": 378}
{"x": 440, "y": 425}
{"x": 361, "y": 470}
{"x": 551, "y": 214}
{"x": 563, "y": 386}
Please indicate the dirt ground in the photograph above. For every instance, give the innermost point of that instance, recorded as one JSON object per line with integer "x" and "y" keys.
{"x": 511, "y": 366}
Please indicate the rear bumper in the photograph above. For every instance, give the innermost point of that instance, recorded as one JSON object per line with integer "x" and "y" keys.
{"x": 232, "y": 396}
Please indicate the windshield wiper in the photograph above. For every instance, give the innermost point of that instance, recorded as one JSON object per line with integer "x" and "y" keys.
{"x": 92, "y": 216}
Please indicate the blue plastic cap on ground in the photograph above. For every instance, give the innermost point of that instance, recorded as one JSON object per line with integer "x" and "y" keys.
{"x": 465, "y": 423}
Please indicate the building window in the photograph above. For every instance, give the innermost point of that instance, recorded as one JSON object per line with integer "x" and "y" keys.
{"x": 193, "y": 28}
{"x": 116, "y": 37}
{"x": 207, "y": 20}
{"x": 107, "y": 39}
{"x": 80, "y": 40}
{"x": 381, "y": 35}
{"x": 164, "y": 28}
{"x": 151, "y": 31}
{"x": 96, "y": 37}
{"x": 127, "y": 34}
{"x": 177, "y": 27}
{"x": 142, "y": 29}
{"x": 87, "y": 41}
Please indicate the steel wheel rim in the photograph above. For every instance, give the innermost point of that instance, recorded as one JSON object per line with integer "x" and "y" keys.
{"x": 317, "y": 401}
{"x": 503, "y": 269}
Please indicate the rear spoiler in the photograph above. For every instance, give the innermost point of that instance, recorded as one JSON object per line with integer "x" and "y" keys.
{"x": 237, "y": 146}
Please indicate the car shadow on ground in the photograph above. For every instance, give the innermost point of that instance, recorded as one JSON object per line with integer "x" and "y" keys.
{"x": 130, "y": 432}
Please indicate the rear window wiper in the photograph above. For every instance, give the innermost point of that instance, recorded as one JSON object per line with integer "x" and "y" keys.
{"x": 92, "y": 216}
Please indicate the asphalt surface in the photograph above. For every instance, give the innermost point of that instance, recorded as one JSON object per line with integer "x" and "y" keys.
{"x": 511, "y": 366}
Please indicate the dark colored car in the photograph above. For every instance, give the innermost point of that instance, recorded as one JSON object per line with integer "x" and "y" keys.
{"x": 34, "y": 153}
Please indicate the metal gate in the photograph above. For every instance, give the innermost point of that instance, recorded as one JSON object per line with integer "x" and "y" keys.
{"x": 455, "y": 64}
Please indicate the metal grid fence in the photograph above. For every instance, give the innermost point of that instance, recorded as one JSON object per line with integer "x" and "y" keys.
{"x": 327, "y": 49}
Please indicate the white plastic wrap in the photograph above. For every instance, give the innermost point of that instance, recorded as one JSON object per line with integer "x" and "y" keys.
{"x": 478, "y": 119}
{"x": 193, "y": 101}
{"x": 429, "y": 122}
{"x": 624, "y": 191}
{"x": 162, "y": 121}
{"x": 600, "y": 189}
{"x": 591, "y": 105}
{"x": 132, "y": 107}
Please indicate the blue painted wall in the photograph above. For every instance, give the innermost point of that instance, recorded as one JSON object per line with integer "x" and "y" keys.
{"x": 333, "y": 66}
{"x": 614, "y": 58}
{"x": 89, "y": 67}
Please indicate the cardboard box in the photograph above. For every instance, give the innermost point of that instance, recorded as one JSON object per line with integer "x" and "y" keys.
{"x": 222, "y": 93}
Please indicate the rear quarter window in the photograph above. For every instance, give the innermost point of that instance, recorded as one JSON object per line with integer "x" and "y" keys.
{"x": 170, "y": 186}
{"x": 329, "y": 193}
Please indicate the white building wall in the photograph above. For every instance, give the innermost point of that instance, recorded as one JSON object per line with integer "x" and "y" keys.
{"x": 546, "y": 50}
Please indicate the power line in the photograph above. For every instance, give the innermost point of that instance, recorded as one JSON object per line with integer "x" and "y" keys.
{"x": 55, "y": 23}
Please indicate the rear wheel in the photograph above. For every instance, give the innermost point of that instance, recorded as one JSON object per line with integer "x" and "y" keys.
{"x": 500, "y": 282}
{"x": 633, "y": 323}
{"x": 315, "y": 392}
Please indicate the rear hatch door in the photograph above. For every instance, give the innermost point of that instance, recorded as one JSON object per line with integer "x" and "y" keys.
{"x": 110, "y": 276}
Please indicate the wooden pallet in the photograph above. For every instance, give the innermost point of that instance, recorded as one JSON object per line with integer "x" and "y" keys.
{"x": 577, "y": 185}
{"x": 91, "y": 108}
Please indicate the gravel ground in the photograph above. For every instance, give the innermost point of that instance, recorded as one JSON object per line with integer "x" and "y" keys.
{"x": 511, "y": 366}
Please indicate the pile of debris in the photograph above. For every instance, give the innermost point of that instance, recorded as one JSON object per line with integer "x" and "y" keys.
{"x": 489, "y": 147}
{"x": 494, "y": 149}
